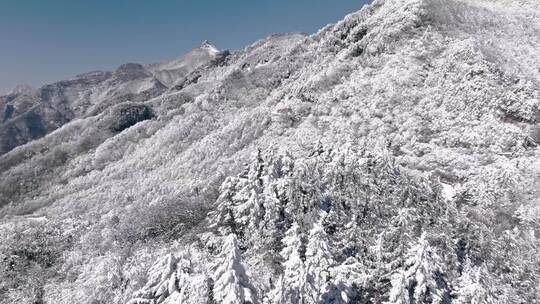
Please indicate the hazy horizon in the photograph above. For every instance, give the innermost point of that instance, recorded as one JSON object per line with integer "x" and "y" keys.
{"x": 46, "y": 42}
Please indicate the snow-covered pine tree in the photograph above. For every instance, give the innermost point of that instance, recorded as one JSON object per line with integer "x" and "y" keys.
{"x": 224, "y": 217}
{"x": 348, "y": 282}
{"x": 318, "y": 263}
{"x": 421, "y": 278}
{"x": 340, "y": 201}
{"x": 239, "y": 206}
{"x": 303, "y": 193}
{"x": 387, "y": 255}
{"x": 162, "y": 282}
{"x": 291, "y": 286}
{"x": 383, "y": 260}
{"x": 471, "y": 286}
{"x": 275, "y": 222}
{"x": 400, "y": 292}
{"x": 248, "y": 205}
{"x": 231, "y": 284}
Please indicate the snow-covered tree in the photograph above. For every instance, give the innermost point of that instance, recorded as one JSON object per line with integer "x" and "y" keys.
{"x": 231, "y": 284}
{"x": 239, "y": 206}
{"x": 292, "y": 284}
{"x": 471, "y": 286}
{"x": 400, "y": 292}
{"x": 319, "y": 262}
{"x": 162, "y": 282}
{"x": 421, "y": 279}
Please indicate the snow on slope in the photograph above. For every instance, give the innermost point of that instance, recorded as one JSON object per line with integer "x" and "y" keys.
{"x": 302, "y": 169}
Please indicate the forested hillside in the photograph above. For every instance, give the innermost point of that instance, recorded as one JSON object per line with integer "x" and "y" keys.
{"x": 391, "y": 157}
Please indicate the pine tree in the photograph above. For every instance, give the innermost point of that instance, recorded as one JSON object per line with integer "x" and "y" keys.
{"x": 318, "y": 264}
{"x": 192, "y": 287}
{"x": 161, "y": 282}
{"x": 291, "y": 286}
{"x": 249, "y": 206}
{"x": 240, "y": 206}
{"x": 400, "y": 292}
{"x": 348, "y": 282}
{"x": 231, "y": 285}
{"x": 471, "y": 287}
{"x": 420, "y": 278}
{"x": 383, "y": 259}
{"x": 224, "y": 217}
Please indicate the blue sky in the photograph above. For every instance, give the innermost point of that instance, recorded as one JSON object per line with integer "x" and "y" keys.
{"x": 47, "y": 40}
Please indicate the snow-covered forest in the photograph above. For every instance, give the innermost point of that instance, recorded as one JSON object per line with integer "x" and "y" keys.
{"x": 392, "y": 157}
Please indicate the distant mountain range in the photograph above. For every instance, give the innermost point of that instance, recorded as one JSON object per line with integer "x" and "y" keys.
{"x": 30, "y": 113}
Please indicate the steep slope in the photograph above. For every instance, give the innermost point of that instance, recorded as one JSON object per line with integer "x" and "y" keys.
{"x": 387, "y": 158}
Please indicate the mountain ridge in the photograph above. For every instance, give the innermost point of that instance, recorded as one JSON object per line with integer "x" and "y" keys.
{"x": 89, "y": 93}
{"x": 388, "y": 158}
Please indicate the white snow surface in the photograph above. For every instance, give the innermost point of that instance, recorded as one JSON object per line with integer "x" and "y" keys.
{"x": 417, "y": 117}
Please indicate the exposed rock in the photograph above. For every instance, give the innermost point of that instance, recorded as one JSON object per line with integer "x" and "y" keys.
{"x": 128, "y": 114}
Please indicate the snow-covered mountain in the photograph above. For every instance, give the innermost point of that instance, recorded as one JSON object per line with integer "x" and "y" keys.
{"x": 391, "y": 157}
{"x": 29, "y": 114}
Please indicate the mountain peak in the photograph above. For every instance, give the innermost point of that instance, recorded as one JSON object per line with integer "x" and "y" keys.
{"x": 206, "y": 45}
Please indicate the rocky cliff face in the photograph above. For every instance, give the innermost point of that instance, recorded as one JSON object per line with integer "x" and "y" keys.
{"x": 389, "y": 158}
